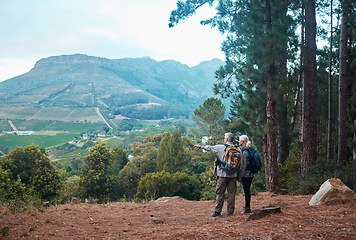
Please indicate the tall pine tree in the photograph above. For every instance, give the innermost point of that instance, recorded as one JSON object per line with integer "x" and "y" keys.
{"x": 260, "y": 42}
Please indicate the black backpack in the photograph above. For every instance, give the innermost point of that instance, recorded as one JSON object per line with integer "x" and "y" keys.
{"x": 232, "y": 159}
{"x": 255, "y": 160}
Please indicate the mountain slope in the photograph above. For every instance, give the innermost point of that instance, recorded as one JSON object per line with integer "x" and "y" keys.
{"x": 84, "y": 81}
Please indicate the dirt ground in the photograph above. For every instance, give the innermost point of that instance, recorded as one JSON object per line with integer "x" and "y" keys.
{"x": 177, "y": 218}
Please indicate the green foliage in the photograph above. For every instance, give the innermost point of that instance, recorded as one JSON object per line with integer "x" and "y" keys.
{"x": 208, "y": 180}
{"x": 5, "y": 230}
{"x": 209, "y": 117}
{"x": 94, "y": 180}
{"x": 152, "y": 112}
{"x": 11, "y": 189}
{"x": 40, "y": 140}
{"x": 200, "y": 168}
{"x": 155, "y": 185}
{"x": 118, "y": 160}
{"x": 320, "y": 172}
{"x": 144, "y": 161}
{"x": 290, "y": 170}
{"x": 31, "y": 167}
{"x": 352, "y": 119}
{"x": 70, "y": 189}
{"x": 130, "y": 176}
{"x": 116, "y": 185}
{"x": 171, "y": 156}
{"x": 124, "y": 99}
{"x": 88, "y": 144}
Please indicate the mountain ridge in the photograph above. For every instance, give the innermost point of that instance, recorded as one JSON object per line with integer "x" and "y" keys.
{"x": 80, "y": 80}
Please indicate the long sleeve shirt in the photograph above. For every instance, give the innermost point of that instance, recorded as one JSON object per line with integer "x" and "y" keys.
{"x": 219, "y": 151}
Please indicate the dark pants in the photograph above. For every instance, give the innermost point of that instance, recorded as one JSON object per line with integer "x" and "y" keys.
{"x": 246, "y": 184}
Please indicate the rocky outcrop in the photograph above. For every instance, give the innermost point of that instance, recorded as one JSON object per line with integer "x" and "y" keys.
{"x": 332, "y": 191}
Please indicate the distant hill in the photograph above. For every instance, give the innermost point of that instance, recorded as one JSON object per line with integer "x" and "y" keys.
{"x": 134, "y": 87}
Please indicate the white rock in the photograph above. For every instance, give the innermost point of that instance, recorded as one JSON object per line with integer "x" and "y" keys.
{"x": 332, "y": 191}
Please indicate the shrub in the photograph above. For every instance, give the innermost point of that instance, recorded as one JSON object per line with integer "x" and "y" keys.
{"x": 290, "y": 169}
{"x": 4, "y": 230}
{"x": 155, "y": 185}
{"x": 321, "y": 171}
{"x": 208, "y": 180}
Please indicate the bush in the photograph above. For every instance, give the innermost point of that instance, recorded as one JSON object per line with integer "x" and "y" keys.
{"x": 208, "y": 180}
{"x": 290, "y": 169}
{"x": 155, "y": 185}
{"x": 321, "y": 171}
{"x": 70, "y": 189}
{"x": 29, "y": 170}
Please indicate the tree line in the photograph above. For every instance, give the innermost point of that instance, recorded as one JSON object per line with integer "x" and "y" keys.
{"x": 163, "y": 165}
{"x": 294, "y": 99}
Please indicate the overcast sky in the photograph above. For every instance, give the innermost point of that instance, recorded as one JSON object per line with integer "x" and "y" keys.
{"x": 35, "y": 29}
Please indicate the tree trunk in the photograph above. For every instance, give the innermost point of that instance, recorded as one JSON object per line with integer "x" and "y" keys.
{"x": 301, "y": 74}
{"x": 309, "y": 126}
{"x": 272, "y": 182}
{"x": 284, "y": 137}
{"x": 329, "y": 154}
{"x": 342, "y": 145}
{"x": 284, "y": 133}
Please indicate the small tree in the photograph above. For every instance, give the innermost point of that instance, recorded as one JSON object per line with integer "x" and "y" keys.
{"x": 32, "y": 167}
{"x": 171, "y": 156}
{"x": 94, "y": 180}
{"x": 210, "y": 118}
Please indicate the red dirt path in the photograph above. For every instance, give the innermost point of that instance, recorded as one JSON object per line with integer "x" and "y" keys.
{"x": 177, "y": 218}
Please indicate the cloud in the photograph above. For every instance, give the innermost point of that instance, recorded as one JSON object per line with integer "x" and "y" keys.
{"x": 106, "y": 28}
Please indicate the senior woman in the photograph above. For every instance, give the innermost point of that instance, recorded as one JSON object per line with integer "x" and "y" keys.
{"x": 245, "y": 174}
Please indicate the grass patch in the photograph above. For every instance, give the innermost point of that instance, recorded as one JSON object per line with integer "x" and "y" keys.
{"x": 114, "y": 143}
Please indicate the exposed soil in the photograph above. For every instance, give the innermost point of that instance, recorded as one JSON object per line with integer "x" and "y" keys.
{"x": 177, "y": 218}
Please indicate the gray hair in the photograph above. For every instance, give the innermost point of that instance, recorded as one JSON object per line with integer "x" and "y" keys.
{"x": 229, "y": 136}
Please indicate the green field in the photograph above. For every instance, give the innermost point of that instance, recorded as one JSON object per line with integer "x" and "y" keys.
{"x": 40, "y": 140}
{"x": 114, "y": 143}
{"x": 66, "y": 159}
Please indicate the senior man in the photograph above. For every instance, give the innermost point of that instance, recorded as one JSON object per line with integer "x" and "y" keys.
{"x": 225, "y": 180}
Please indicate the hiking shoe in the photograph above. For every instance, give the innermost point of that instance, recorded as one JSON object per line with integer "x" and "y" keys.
{"x": 229, "y": 214}
{"x": 216, "y": 214}
{"x": 247, "y": 210}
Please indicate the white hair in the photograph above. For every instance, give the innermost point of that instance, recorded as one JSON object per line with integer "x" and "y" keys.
{"x": 246, "y": 140}
{"x": 229, "y": 136}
